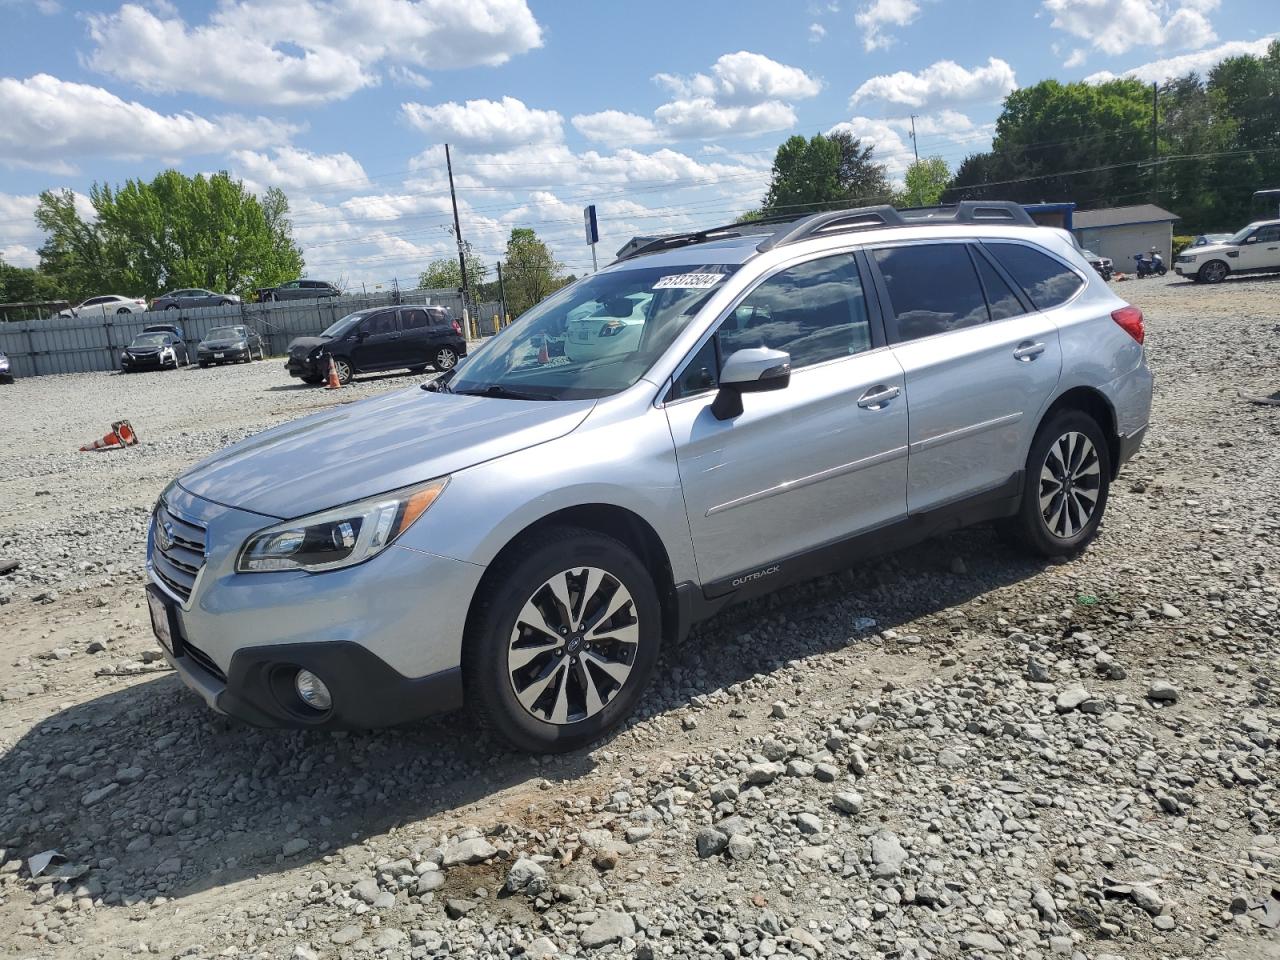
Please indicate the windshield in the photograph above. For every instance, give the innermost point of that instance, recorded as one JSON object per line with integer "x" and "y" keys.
{"x": 1239, "y": 236}
{"x": 225, "y": 333}
{"x": 342, "y": 326}
{"x": 149, "y": 340}
{"x": 593, "y": 338}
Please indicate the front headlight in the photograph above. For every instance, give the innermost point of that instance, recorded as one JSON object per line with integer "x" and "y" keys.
{"x": 341, "y": 537}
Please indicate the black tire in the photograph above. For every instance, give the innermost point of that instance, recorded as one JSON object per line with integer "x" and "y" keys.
{"x": 1215, "y": 271}
{"x": 170, "y": 306}
{"x": 123, "y": 312}
{"x": 417, "y": 370}
{"x": 1029, "y": 527}
{"x": 345, "y": 370}
{"x": 204, "y": 364}
{"x": 446, "y": 359}
{"x": 517, "y": 578}
{"x": 313, "y": 380}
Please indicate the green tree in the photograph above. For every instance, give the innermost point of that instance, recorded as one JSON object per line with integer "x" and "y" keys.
{"x": 925, "y": 181}
{"x": 823, "y": 173}
{"x": 444, "y": 273}
{"x": 26, "y": 285}
{"x": 530, "y": 272}
{"x": 175, "y": 231}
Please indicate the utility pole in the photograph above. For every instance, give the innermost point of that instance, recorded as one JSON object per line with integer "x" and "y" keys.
{"x": 1155, "y": 143}
{"x": 914, "y": 148}
{"x": 502, "y": 293}
{"x": 457, "y": 232}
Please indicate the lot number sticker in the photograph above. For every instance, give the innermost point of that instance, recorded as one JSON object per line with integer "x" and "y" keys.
{"x": 689, "y": 281}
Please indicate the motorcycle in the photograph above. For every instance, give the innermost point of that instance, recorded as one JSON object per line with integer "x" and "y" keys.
{"x": 1150, "y": 266}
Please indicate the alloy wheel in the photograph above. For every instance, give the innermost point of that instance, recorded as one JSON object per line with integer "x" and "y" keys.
{"x": 446, "y": 359}
{"x": 1214, "y": 271}
{"x": 344, "y": 370}
{"x": 573, "y": 645}
{"x": 1070, "y": 482}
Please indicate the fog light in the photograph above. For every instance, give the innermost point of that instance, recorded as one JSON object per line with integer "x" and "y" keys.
{"x": 312, "y": 691}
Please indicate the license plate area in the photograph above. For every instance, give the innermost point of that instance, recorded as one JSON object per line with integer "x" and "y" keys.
{"x": 161, "y": 618}
{"x": 218, "y": 356}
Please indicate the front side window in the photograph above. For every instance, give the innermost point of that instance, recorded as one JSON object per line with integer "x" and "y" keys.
{"x": 1048, "y": 282}
{"x": 933, "y": 289}
{"x": 816, "y": 311}
{"x": 380, "y": 323}
{"x": 1269, "y": 234}
{"x": 595, "y": 337}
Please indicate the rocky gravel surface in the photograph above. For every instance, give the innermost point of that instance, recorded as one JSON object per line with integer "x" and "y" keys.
{"x": 954, "y": 752}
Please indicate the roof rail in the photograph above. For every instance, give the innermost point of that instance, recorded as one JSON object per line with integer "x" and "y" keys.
{"x": 883, "y": 215}
{"x": 674, "y": 240}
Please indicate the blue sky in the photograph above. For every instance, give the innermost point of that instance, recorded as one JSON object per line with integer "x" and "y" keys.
{"x": 664, "y": 114}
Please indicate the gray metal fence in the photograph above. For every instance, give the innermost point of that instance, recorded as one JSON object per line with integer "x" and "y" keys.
{"x": 83, "y": 344}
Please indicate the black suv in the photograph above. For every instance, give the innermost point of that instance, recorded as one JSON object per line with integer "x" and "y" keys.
{"x": 384, "y": 338}
{"x": 298, "y": 290}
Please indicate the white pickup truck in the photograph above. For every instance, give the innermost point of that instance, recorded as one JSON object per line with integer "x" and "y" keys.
{"x": 1255, "y": 249}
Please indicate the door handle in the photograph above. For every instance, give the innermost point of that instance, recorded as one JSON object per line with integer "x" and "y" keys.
{"x": 877, "y": 397}
{"x": 1026, "y": 352}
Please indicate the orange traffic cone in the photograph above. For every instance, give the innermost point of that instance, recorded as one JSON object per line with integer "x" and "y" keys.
{"x": 544, "y": 355}
{"x": 333, "y": 383}
{"x": 121, "y": 436}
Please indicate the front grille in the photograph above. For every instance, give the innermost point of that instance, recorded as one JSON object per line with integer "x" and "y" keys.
{"x": 204, "y": 661}
{"x": 178, "y": 551}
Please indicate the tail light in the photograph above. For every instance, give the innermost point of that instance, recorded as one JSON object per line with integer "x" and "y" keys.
{"x": 457, "y": 328}
{"x": 1130, "y": 320}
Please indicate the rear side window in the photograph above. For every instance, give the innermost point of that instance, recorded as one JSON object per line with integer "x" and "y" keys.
{"x": 413, "y": 319}
{"x": 816, "y": 311}
{"x": 1001, "y": 299}
{"x": 932, "y": 289}
{"x": 1048, "y": 282}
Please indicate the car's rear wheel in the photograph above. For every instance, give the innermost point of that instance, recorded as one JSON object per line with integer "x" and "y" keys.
{"x": 562, "y": 640}
{"x": 1066, "y": 485}
{"x": 446, "y": 358}
{"x": 123, "y": 312}
{"x": 170, "y": 306}
{"x": 1215, "y": 271}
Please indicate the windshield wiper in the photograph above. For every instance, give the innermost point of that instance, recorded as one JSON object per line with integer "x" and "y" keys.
{"x": 501, "y": 392}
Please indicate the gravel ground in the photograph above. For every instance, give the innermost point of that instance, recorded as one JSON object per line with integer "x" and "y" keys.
{"x": 954, "y": 752}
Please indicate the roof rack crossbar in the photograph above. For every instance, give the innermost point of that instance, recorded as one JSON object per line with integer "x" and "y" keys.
{"x": 883, "y": 215}
{"x": 672, "y": 241}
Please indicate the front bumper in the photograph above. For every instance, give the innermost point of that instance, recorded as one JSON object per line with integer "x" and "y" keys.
{"x": 222, "y": 356}
{"x": 385, "y": 636}
{"x": 148, "y": 362}
{"x": 305, "y": 367}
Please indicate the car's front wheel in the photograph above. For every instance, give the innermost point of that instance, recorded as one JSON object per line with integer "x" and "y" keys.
{"x": 345, "y": 373}
{"x": 1215, "y": 271}
{"x": 562, "y": 640}
{"x": 1065, "y": 488}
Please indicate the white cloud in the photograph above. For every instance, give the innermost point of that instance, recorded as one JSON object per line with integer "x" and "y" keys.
{"x": 295, "y": 51}
{"x": 291, "y": 168}
{"x": 816, "y": 32}
{"x": 50, "y": 124}
{"x": 873, "y": 17}
{"x": 703, "y": 117}
{"x": 743, "y": 79}
{"x": 1201, "y": 62}
{"x": 945, "y": 123}
{"x": 407, "y": 77}
{"x": 485, "y": 123}
{"x": 1116, "y": 26}
{"x": 744, "y": 94}
{"x": 616, "y": 127}
{"x": 943, "y": 83}
{"x": 1077, "y": 58}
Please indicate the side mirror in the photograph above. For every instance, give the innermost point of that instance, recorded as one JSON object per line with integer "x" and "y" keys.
{"x": 751, "y": 370}
{"x": 1252, "y": 239}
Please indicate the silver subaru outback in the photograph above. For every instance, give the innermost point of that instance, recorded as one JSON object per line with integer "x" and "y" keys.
{"x": 712, "y": 416}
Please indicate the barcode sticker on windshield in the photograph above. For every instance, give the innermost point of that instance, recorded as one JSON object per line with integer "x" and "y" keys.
{"x": 689, "y": 281}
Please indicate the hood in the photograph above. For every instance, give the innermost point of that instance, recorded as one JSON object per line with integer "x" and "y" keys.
{"x": 363, "y": 449}
{"x": 143, "y": 351}
{"x": 301, "y": 346}
{"x": 1217, "y": 249}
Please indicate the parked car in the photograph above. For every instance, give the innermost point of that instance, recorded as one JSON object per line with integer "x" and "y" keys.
{"x": 187, "y": 299}
{"x": 1254, "y": 249}
{"x": 525, "y": 533}
{"x": 6, "y": 368}
{"x": 1104, "y": 265}
{"x": 154, "y": 350}
{"x": 601, "y": 329}
{"x": 1205, "y": 239}
{"x": 233, "y": 344}
{"x": 105, "y": 306}
{"x": 298, "y": 290}
{"x": 380, "y": 339}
